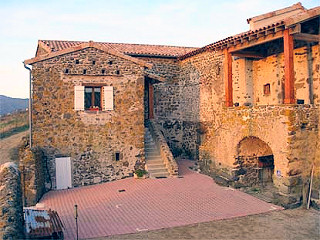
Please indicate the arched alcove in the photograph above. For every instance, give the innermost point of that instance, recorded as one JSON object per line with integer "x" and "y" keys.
{"x": 254, "y": 162}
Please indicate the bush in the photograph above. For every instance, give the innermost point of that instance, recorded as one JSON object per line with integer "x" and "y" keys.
{"x": 141, "y": 172}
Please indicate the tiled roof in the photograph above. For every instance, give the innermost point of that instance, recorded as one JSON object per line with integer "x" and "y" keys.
{"x": 129, "y": 49}
{"x": 263, "y": 31}
{"x": 233, "y": 39}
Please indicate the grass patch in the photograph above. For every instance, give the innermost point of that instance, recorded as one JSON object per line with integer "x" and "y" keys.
{"x": 14, "y": 131}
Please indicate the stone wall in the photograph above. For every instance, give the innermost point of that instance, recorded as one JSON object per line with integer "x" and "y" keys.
{"x": 194, "y": 120}
{"x": 291, "y": 132}
{"x": 34, "y": 173}
{"x": 11, "y": 211}
{"x": 91, "y": 139}
{"x": 181, "y": 105}
{"x": 164, "y": 67}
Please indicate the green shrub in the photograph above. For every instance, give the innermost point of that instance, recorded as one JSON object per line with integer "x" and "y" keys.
{"x": 141, "y": 172}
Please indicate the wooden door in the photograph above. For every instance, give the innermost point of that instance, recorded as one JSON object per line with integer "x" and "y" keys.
{"x": 63, "y": 173}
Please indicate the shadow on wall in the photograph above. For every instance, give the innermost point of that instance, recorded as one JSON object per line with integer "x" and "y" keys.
{"x": 177, "y": 110}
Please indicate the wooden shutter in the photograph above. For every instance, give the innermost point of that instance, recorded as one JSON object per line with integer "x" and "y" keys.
{"x": 78, "y": 98}
{"x": 108, "y": 97}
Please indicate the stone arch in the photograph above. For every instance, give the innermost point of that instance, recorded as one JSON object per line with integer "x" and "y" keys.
{"x": 254, "y": 162}
{"x": 250, "y": 146}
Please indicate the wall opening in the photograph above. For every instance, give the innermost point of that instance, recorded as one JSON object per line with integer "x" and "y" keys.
{"x": 254, "y": 162}
{"x": 117, "y": 156}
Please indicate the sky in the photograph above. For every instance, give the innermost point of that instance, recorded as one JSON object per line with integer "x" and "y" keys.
{"x": 193, "y": 23}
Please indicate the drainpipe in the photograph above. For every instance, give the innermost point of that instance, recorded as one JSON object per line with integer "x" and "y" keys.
{"x": 30, "y": 105}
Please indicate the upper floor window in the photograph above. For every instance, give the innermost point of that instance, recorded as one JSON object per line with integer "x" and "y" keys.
{"x": 266, "y": 89}
{"x": 92, "y": 98}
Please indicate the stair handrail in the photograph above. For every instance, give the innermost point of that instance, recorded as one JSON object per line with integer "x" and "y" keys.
{"x": 165, "y": 152}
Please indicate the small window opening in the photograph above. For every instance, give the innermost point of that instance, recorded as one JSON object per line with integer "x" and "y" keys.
{"x": 110, "y": 62}
{"x": 84, "y": 71}
{"x": 92, "y": 98}
{"x": 103, "y": 71}
{"x": 117, "y": 156}
{"x": 266, "y": 89}
{"x": 77, "y": 61}
{"x": 117, "y": 72}
{"x": 66, "y": 70}
{"x": 93, "y": 62}
{"x": 300, "y": 101}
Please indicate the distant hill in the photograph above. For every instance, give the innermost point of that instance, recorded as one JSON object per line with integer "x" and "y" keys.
{"x": 9, "y": 105}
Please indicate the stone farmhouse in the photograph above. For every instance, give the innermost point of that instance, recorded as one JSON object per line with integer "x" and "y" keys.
{"x": 246, "y": 108}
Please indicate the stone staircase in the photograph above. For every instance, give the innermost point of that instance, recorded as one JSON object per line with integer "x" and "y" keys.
{"x": 154, "y": 163}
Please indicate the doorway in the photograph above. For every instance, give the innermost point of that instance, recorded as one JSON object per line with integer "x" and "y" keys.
{"x": 63, "y": 173}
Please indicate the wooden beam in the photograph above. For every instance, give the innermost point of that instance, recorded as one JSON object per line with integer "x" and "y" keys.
{"x": 295, "y": 29}
{"x": 248, "y": 54}
{"x": 227, "y": 66}
{"x": 288, "y": 68}
{"x": 256, "y": 42}
{"x": 150, "y": 105}
{"x": 307, "y": 37}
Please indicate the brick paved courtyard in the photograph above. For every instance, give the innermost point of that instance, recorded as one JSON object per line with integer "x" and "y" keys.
{"x": 150, "y": 204}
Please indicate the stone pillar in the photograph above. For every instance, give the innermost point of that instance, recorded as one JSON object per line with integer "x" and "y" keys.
{"x": 11, "y": 211}
{"x": 227, "y": 66}
{"x": 288, "y": 68}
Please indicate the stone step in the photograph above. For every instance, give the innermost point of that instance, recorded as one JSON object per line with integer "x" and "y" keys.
{"x": 157, "y": 170}
{"x": 153, "y": 158}
{"x": 154, "y": 161}
{"x": 150, "y": 149}
{"x": 159, "y": 175}
{"x": 150, "y": 146}
{"x": 152, "y": 154}
{"x": 155, "y": 166}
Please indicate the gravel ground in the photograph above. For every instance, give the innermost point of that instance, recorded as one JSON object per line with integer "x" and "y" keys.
{"x": 290, "y": 224}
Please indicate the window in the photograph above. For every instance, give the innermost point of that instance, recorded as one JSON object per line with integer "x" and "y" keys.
{"x": 117, "y": 156}
{"x": 266, "y": 89}
{"x": 92, "y": 98}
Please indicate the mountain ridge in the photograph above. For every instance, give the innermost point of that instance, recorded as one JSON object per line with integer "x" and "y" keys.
{"x": 10, "y": 105}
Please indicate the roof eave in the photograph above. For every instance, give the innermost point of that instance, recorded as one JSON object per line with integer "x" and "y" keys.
{"x": 83, "y": 46}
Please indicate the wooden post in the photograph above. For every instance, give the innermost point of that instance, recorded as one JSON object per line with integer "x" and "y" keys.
{"x": 150, "y": 101}
{"x": 288, "y": 68}
{"x": 228, "y": 78}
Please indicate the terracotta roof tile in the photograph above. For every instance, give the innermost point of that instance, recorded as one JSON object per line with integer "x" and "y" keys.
{"x": 224, "y": 42}
{"x": 126, "y": 48}
{"x": 265, "y": 30}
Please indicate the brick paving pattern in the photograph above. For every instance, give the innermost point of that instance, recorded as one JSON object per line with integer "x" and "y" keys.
{"x": 150, "y": 204}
